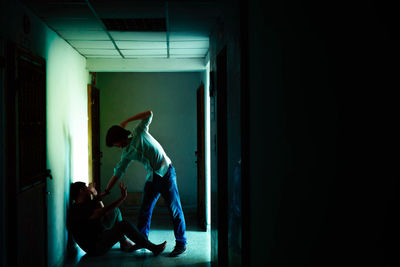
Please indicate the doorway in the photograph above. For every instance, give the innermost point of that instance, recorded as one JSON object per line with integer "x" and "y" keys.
{"x": 25, "y": 150}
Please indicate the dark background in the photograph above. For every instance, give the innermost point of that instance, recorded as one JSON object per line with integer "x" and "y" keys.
{"x": 323, "y": 151}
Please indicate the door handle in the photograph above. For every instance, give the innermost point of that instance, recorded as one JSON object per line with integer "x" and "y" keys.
{"x": 48, "y": 174}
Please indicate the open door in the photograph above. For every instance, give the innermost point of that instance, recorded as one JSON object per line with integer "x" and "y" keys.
{"x": 200, "y": 153}
{"x": 25, "y": 149}
{"x": 94, "y": 135}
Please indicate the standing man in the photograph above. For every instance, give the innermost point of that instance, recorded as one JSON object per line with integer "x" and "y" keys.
{"x": 161, "y": 178}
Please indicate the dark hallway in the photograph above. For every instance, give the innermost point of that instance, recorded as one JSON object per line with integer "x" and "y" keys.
{"x": 300, "y": 107}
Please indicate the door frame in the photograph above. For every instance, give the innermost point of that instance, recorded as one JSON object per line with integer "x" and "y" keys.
{"x": 201, "y": 160}
{"x": 94, "y": 160}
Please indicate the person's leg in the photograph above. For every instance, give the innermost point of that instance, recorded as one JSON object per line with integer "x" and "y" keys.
{"x": 108, "y": 222}
{"x": 170, "y": 193}
{"x": 110, "y": 219}
{"x": 150, "y": 197}
{"x": 107, "y": 240}
{"x": 109, "y": 237}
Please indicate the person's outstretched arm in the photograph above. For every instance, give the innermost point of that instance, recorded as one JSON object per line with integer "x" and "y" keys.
{"x": 139, "y": 116}
{"x": 98, "y": 213}
{"x": 111, "y": 183}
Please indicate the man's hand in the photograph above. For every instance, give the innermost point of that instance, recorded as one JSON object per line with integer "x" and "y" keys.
{"x": 92, "y": 189}
{"x": 100, "y": 212}
{"x": 139, "y": 116}
{"x": 124, "y": 190}
{"x": 123, "y": 124}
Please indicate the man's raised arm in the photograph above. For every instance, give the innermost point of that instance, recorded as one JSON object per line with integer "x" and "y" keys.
{"x": 139, "y": 116}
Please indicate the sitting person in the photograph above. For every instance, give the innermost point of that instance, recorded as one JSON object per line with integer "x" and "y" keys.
{"x": 95, "y": 230}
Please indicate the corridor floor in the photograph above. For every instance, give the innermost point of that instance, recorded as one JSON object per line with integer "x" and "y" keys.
{"x": 196, "y": 255}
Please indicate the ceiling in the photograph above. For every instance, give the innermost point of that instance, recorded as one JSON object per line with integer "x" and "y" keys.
{"x": 81, "y": 23}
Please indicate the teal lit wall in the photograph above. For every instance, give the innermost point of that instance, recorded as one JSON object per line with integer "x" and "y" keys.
{"x": 67, "y": 145}
{"x": 172, "y": 97}
{"x": 67, "y": 138}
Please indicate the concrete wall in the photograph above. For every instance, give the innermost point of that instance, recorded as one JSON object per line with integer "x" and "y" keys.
{"x": 66, "y": 107}
{"x": 323, "y": 135}
{"x": 172, "y": 98}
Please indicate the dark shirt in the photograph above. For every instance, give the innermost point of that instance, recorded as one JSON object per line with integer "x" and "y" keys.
{"x": 84, "y": 230}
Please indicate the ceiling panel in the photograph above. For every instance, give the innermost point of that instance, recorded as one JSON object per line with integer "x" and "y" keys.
{"x": 188, "y": 36}
{"x": 188, "y": 51}
{"x": 141, "y": 45}
{"x": 138, "y": 36}
{"x": 189, "y": 26}
{"x": 104, "y": 56}
{"x": 83, "y": 35}
{"x": 147, "y": 57}
{"x": 145, "y": 52}
{"x": 93, "y": 44}
{"x": 189, "y": 44}
{"x": 98, "y": 52}
{"x": 186, "y": 56}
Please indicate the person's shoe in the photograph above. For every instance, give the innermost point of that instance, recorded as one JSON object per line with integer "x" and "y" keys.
{"x": 178, "y": 250}
{"x": 158, "y": 249}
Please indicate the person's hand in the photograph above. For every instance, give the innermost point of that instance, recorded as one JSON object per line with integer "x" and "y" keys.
{"x": 92, "y": 188}
{"x": 123, "y": 124}
{"x": 124, "y": 190}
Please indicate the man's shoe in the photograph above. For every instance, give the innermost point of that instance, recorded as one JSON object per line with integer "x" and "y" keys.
{"x": 178, "y": 250}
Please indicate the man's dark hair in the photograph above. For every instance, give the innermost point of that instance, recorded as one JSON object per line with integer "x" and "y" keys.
{"x": 115, "y": 134}
{"x": 75, "y": 189}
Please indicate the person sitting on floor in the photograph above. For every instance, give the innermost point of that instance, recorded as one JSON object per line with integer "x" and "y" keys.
{"x": 92, "y": 229}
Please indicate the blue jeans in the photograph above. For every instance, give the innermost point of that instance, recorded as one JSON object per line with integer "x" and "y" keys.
{"x": 166, "y": 186}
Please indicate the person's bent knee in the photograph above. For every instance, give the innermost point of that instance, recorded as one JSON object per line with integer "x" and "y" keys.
{"x": 122, "y": 225}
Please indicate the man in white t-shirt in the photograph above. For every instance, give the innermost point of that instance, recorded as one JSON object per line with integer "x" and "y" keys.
{"x": 161, "y": 178}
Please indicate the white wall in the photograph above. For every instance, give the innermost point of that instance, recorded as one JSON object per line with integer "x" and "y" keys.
{"x": 172, "y": 98}
{"x": 67, "y": 133}
{"x": 67, "y": 145}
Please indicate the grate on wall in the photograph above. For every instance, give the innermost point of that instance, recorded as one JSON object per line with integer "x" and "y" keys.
{"x": 136, "y": 24}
